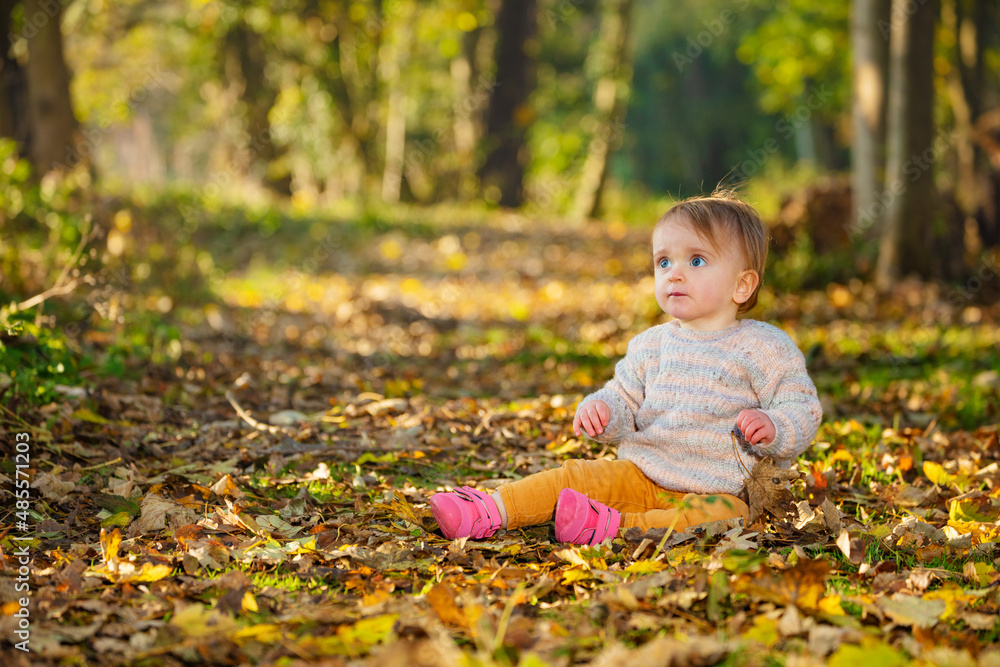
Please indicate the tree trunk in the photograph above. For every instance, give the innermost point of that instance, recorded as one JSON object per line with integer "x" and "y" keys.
{"x": 13, "y": 86}
{"x": 917, "y": 240}
{"x": 614, "y": 65}
{"x": 501, "y": 176}
{"x": 870, "y": 54}
{"x": 249, "y": 58}
{"x": 53, "y": 123}
{"x": 909, "y": 191}
{"x": 465, "y": 113}
{"x": 396, "y": 51}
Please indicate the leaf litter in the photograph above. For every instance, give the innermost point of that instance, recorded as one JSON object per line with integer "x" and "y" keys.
{"x": 278, "y": 514}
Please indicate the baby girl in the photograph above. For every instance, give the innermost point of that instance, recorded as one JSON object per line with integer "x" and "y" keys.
{"x": 674, "y": 401}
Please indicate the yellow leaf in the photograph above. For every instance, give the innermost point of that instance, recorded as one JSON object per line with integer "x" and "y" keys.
{"x": 378, "y": 597}
{"x": 83, "y": 414}
{"x": 830, "y": 605}
{"x": 574, "y": 575}
{"x": 841, "y": 455}
{"x": 646, "y": 566}
{"x": 871, "y": 653}
{"x": 264, "y": 633}
{"x": 980, "y": 574}
{"x": 354, "y": 639}
{"x": 109, "y": 544}
{"x": 148, "y": 573}
{"x": 936, "y": 474}
{"x": 249, "y": 602}
{"x": 970, "y": 510}
{"x": 764, "y": 631}
{"x": 121, "y": 520}
{"x": 197, "y": 620}
{"x": 304, "y": 546}
{"x": 952, "y": 594}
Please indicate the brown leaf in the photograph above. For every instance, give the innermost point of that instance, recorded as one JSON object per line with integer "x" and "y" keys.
{"x": 802, "y": 585}
{"x": 442, "y": 600}
{"x": 226, "y": 487}
{"x": 766, "y": 489}
{"x": 853, "y": 548}
{"x": 832, "y": 516}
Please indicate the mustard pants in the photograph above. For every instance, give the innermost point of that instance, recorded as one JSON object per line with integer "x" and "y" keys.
{"x": 619, "y": 485}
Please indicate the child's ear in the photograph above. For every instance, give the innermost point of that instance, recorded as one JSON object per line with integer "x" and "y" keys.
{"x": 746, "y": 283}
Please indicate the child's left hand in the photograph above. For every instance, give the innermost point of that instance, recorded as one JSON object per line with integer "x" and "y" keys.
{"x": 757, "y": 427}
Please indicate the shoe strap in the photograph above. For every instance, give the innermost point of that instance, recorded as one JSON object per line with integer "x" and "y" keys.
{"x": 605, "y": 519}
{"x": 487, "y": 510}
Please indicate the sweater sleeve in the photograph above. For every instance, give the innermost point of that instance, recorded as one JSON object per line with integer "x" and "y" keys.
{"x": 787, "y": 396}
{"x": 625, "y": 392}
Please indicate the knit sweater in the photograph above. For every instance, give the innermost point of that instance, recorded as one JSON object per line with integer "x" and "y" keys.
{"x": 676, "y": 394}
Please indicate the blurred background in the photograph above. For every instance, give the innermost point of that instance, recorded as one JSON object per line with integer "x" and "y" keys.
{"x": 179, "y": 164}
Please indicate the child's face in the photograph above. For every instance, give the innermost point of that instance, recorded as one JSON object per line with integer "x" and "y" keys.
{"x": 697, "y": 284}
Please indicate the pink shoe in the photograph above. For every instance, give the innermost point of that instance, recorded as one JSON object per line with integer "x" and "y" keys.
{"x": 581, "y": 520}
{"x": 466, "y": 512}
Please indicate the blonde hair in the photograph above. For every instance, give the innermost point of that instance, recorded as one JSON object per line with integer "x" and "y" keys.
{"x": 723, "y": 211}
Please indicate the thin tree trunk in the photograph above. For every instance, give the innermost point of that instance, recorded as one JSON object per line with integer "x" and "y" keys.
{"x": 918, "y": 243}
{"x": 909, "y": 184}
{"x": 614, "y": 64}
{"x": 13, "y": 85}
{"x": 248, "y": 55}
{"x": 53, "y": 123}
{"x": 395, "y": 52}
{"x": 502, "y": 173}
{"x": 464, "y": 109}
{"x": 395, "y": 145}
{"x": 359, "y": 47}
{"x": 870, "y": 52}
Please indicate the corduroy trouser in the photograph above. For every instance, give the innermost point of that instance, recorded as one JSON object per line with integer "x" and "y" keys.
{"x": 619, "y": 485}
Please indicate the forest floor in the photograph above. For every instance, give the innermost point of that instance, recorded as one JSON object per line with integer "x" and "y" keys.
{"x": 380, "y": 363}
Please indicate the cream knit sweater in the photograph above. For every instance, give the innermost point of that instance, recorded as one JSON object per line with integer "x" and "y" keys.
{"x": 676, "y": 394}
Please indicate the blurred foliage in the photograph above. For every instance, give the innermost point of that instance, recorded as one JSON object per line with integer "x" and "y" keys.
{"x": 164, "y": 80}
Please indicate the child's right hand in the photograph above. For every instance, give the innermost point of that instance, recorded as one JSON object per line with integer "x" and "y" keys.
{"x": 592, "y": 418}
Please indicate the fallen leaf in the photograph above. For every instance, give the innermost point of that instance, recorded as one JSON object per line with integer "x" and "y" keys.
{"x": 766, "y": 489}
{"x": 852, "y": 546}
{"x": 912, "y": 610}
{"x": 52, "y": 487}
{"x": 441, "y": 598}
{"x": 156, "y": 511}
{"x": 226, "y": 487}
{"x": 802, "y": 585}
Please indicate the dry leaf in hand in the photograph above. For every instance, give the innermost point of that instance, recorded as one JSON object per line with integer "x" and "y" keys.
{"x": 765, "y": 489}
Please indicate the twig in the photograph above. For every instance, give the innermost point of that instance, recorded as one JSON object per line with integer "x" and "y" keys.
{"x": 61, "y": 287}
{"x": 297, "y": 447}
{"x": 101, "y": 465}
{"x": 245, "y": 416}
{"x": 55, "y": 290}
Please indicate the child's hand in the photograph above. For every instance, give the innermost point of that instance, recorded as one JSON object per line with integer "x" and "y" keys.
{"x": 757, "y": 427}
{"x": 594, "y": 416}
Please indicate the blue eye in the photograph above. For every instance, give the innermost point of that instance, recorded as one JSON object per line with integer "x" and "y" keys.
{"x": 697, "y": 261}
{"x": 664, "y": 263}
